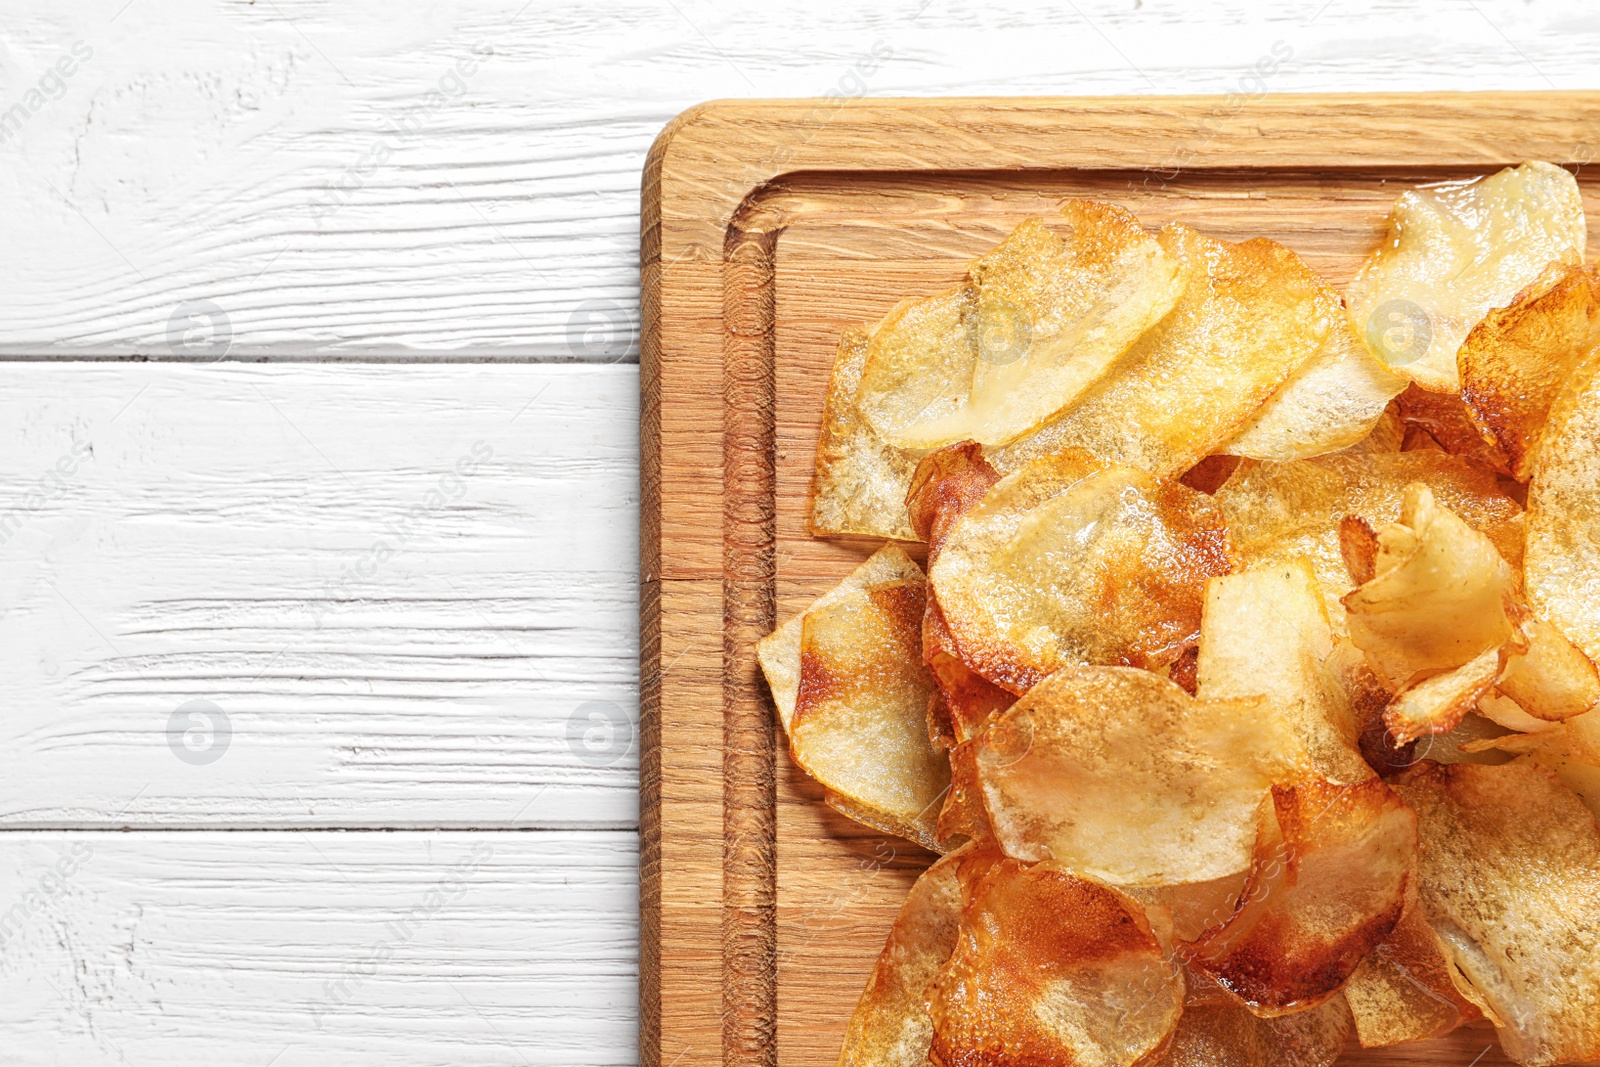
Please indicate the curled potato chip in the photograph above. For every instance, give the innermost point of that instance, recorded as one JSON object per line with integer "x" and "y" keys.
{"x": 1333, "y": 401}
{"x": 1277, "y": 511}
{"x": 1050, "y": 968}
{"x": 1265, "y": 634}
{"x": 1563, "y": 555}
{"x": 1546, "y": 676}
{"x": 1437, "y": 598}
{"x": 1436, "y": 705}
{"x": 1040, "y": 320}
{"x": 1454, "y": 251}
{"x": 1251, "y": 314}
{"x": 860, "y": 716}
{"x": 1216, "y": 1031}
{"x": 890, "y": 1026}
{"x": 1120, "y": 774}
{"x": 1516, "y": 361}
{"x": 779, "y": 651}
{"x": 1071, "y": 561}
{"x": 1403, "y": 991}
{"x": 1327, "y": 885}
{"x": 1509, "y": 870}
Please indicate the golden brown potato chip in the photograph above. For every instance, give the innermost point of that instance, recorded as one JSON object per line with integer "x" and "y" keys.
{"x": 1265, "y": 634}
{"x": 1250, "y": 316}
{"x": 1327, "y": 884}
{"x": 860, "y": 717}
{"x": 1040, "y": 320}
{"x": 1071, "y": 561}
{"x": 1563, "y": 553}
{"x": 1516, "y": 361}
{"x": 1358, "y": 544}
{"x": 1437, "y": 598}
{"x": 1333, "y": 401}
{"x": 962, "y": 818}
{"x": 1547, "y": 677}
{"x": 1051, "y": 969}
{"x": 1277, "y": 511}
{"x": 1121, "y": 775}
{"x": 1436, "y": 705}
{"x": 1450, "y": 426}
{"x": 1403, "y": 990}
{"x": 1454, "y": 251}
{"x": 1509, "y": 870}
{"x": 1184, "y": 911}
{"x": 779, "y": 651}
{"x": 860, "y": 481}
{"x": 1216, "y": 1031}
{"x": 891, "y": 1027}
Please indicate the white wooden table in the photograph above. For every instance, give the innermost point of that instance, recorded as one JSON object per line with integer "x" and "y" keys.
{"x": 318, "y": 476}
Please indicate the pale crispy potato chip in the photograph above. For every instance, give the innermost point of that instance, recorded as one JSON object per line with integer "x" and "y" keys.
{"x": 1265, "y": 634}
{"x": 1547, "y": 677}
{"x": 1444, "y": 418}
{"x": 1403, "y": 991}
{"x": 1436, "y": 705}
{"x": 1571, "y": 750}
{"x": 1040, "y": 320}
{"x": 860, "y": 482}
{"x": 1277, "y": 511}
{"x": 1509, "y": 870}
{"x": 1051, "y": 969}
{"x": 1503, "y": 711}
{"x": 1251, "y": 315}
{"x": 1333, "y": 401}
{"x": 1563, "y": 555}
{"x": 1437, "y": 598}
{"x": 779, "y": 651}
{"x": 1454, "y": 251}
{"x": 1327, "y": 885}
{"x": 1121, "y": 775}
{"x": 1516, "y": 361}
{"x": 1386, "y": 435}
{"x": 890, "y": 1026}
{"x": 1071, "y": 561}
{"x": 860, "y": 716}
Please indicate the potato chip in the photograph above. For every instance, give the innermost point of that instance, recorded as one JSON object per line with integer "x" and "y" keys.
{"x": 860, "y": 716}
{"x": 1265, "y": 634}
{"x": 1454, "y": 251}
{"x": 1563, "y": 553}
{"x": 1509, "y": 870}
{"x": 1403, "y": 991}
{"x": 1386, "y": 435}
{"x": 1547, "y": 677}
{"x": 1071, "y": 561}
{"x": 890, "y": 1026}
{"x": 1451, "y": 427}
{"x": 779, "y": 651}
{"x": 1437, "y": 598}
{"x": 962, "y": 818}
{"x": 1119, "y": 774}
{"x": 1570, "y": 750}
{"x": 1216, "y": 1032}
{"x": 860, "y": 482}
{"x": 1436, "y": 705}
{"x": 1333, "y": 401}
{"x": 1277, "y": 511}
{"x": 1251, "y": 315}
{"x": 1327, "y": 884}
{"x": 1050, "y": 968}
{"x": 1358, "y": 544}
{"x": 1040, "y": 320}
{"x": 1184, "y": 911}
{"x": 1515, "y": 362}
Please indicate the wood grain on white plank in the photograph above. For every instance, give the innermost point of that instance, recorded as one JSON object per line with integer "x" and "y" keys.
{"x": 399, "y": 584}
{"x": 461, "y": 180}
{"x": 446, "y": 949}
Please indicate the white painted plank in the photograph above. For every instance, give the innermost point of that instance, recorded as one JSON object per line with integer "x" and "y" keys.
{"x": 400, "y": 585}
{"x": 302, "y": 948}
{"x": 366, "y": 179}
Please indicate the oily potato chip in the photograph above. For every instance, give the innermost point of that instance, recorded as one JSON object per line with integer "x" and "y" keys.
{"x": 1277, "y": 511}
{"x": 1448, "y": 424}
{"x": 1265, "y": 634}
{"x": 1121, "y": 775}
{"x": 860, "y": 716}
{"x": 1327, "y": 885}
{"x": 1509, "y": 870}
{"x": 1251, "y": 315}
{"x": 779, "y": 651}
{"x": 1403, "y": 990}
{"x": 890, "y": 1026}
{"x": 1563, "y": 553}
{"x": 1051, "y": 969}
{"x": 962, "y": 818}
{"x": 1216, "y": 1031}
{"x": 1454, "y": 251}
{"x": 1071, "y": 561}
{"x": 1185, "y": 910}
{"x": 1516, "y": 361}
{"x": 1437, "y": 597}
{"x": 1333, "y": 401}
{"x": 1039, "y": 320}
{"x": 1436, "y": 705}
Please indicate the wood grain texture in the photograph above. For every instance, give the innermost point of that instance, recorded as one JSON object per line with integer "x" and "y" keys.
{"x": 748, "y": 286}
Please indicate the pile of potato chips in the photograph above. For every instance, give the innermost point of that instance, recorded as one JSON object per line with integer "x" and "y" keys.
{"x": 1247, "y": 690}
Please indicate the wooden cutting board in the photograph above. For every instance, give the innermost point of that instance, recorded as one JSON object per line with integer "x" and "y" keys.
{"x": 769, "y": 226}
